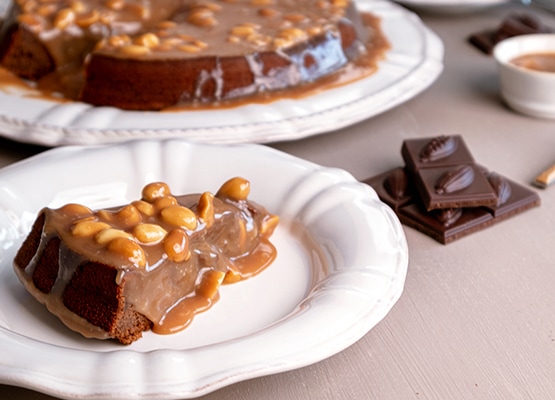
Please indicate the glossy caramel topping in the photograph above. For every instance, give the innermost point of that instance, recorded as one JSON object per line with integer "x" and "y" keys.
{"x": 544, "y": 62}
{"x": 176, "y": 28}
{"x": 337, "y": 45}
{"x": 172, "y": 252}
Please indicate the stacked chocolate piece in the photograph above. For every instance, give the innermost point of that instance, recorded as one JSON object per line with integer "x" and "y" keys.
{"x": 442, "y": 192}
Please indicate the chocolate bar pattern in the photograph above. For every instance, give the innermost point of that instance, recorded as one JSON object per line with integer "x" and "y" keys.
{"x": 445, "y": 173}
{"x": 397, "y": 189}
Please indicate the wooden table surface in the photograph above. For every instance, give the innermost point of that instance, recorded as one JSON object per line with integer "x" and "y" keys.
{"x": 476, "y": 319}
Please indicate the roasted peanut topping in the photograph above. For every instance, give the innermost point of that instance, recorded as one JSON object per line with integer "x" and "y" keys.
{"x": 179, "y": 216}
{"x": 135, "y": 28}
{"x": 235, "y": 188}
{"x": 184, "y": 247}
{"x": 155, "y": 190}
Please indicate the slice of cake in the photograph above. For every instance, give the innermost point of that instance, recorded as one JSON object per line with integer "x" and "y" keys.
{"x": 151, "y": 264}
{"x": 149, "y": 55}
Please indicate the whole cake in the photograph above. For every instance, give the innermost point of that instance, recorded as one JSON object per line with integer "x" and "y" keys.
{"x": 152, "y": 54}
{"x": 151, "y": 264}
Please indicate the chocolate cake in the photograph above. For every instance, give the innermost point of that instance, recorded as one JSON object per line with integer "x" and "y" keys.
{"x": 151, "y": 264}
{"x": 152, "y": 54}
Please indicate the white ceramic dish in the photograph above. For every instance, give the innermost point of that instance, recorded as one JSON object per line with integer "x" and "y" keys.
{"x": 525, "y": 90}
{"x": 413, "y": 63}
{"x": 342, "y": 257}
{"x": 451, "y": 6}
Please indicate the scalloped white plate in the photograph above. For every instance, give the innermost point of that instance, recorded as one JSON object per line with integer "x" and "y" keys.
{"x": 342, "y": 257}
{"x": 413, "y": 63}
{"x": 451, "y": 6}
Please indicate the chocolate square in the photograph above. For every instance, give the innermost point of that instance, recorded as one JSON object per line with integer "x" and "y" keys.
{"x": 445, "y": 174}
{"x": 445, "y": 225}
{"x": 474, "y": 189}
{"x": 512, "y": 197}
{"x": 393, "y": 187}
{"x": 440, "y": 151}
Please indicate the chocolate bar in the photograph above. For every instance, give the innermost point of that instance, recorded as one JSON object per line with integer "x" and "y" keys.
{"x": 393, "y": 187}
{"x": 445, "y": 225}
{"x": 445, "y": 174}
{"x": 396, "y": 188}
{"x": 440, "y": 151}
{"x": 512, "y": 197}
{"x": 513, "y": 25}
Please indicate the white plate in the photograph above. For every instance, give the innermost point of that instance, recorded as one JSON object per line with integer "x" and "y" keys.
{"x": 451, "y": 6}
{"x": 413, "y": 63}
{"x": 342, "y": 257}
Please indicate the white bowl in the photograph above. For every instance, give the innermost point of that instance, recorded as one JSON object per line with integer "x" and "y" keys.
{"x": 528, "y": 91}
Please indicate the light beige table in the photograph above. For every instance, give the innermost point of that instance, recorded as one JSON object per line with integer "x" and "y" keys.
{"x": 477, "y": 317}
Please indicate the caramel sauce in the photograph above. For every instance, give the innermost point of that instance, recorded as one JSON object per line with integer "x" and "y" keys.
{"x": 65, "y": 87}
{"x": 362, "y": 67}
{"x": 544, "y": 62}
{"x": 226, "y": 240}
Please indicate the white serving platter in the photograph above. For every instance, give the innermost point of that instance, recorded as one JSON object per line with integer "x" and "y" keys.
{"x": 413, "y": 63}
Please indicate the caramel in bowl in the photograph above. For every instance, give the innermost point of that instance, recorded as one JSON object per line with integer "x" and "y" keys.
{"x": 526, "y": 67}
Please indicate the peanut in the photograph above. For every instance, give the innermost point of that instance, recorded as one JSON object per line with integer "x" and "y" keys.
{"x": 86, "y": 20}
{"x": 243, "y": 30}
{"x": 75, "y": 209}
{"x": 144, "y": 207}
{"x": 295, "y": 18}
{"x": 205, "y": 208}
{"x": 64, "y": 18}
{"x": 180, "y": 216}
{"x": 127, "y": 216}
{"x": 202, "y": 17}
{"x": 135, "y": 50}
{"x": 293, "y": 34}
{"x": 115, "y": 4}
{"x": 164, "y": 202}
{"x": 236, "y": 189}
{"x": 107, "y": 235}
{"x": 78, "y": 6}
{"x": 176, "y": 245}
{"x": 128, "y": 249}
{"x": 154, "y": 190}
{"x": 148, "y": 40}
{"x": 189, "y": 48}
{"x": 268, "y": 12}
{"x": 166, "y": 25}
{"x": 119, "y": 40}
{"x": 88, "y": 228}
{"x": 149, "y": 233}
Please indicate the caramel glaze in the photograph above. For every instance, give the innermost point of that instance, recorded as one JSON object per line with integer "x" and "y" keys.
{"x": 544, "y": 62}
{"x": 228, "y": 242}
{"x": 363, "y": 66}
{"x": 65, "y": 84}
